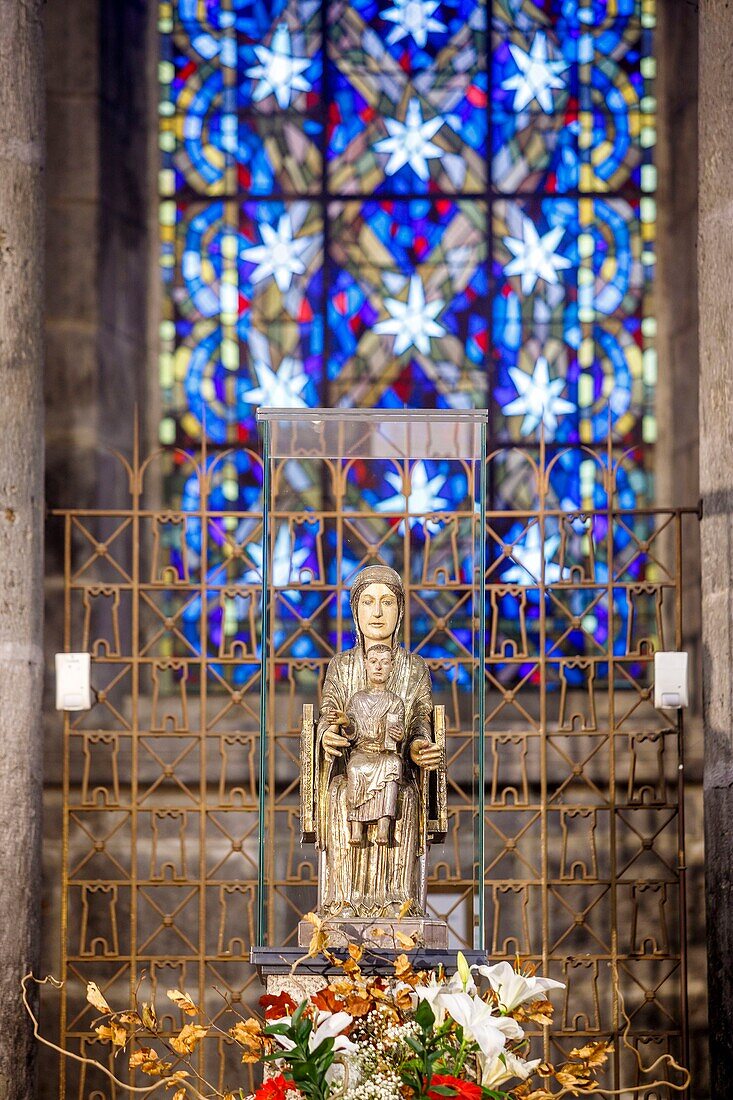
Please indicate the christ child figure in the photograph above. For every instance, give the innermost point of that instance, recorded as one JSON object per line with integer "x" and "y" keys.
{"x": 376, "y": 729}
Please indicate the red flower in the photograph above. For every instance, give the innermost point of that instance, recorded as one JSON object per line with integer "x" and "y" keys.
{"x": 274, "y": 1088}
{"x": 464, "y": 1090}
{"x": 278, "y": 1006}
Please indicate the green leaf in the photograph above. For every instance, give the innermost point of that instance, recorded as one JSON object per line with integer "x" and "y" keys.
{"x": 300, "y": 1071}
{"x": 277, "y": 1029}
{"x": 324, "y": 1047}
{"x": 425, "y": 1017}
{"x": 444, "y": 1090}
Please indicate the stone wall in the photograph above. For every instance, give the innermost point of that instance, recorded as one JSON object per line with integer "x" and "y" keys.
{"x": 676, "y": 467}
{"x": 716, "y": 486}
{"x": 100, "y": 199}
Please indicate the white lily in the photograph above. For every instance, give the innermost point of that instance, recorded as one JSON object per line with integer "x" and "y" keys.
{"x": 433, "y": 992}
{"x": 502, "y": 1068}
{"x": 326, "y": 1025}
{"x": 479, "y": 1023}
{"x": 513, "y": 988}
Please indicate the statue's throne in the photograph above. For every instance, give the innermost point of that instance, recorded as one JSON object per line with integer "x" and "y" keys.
{"x": 387, "y": 932}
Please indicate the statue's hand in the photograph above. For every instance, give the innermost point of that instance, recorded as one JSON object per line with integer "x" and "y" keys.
{"x": 425, "y": 754}
{"x": 333, "y": 739}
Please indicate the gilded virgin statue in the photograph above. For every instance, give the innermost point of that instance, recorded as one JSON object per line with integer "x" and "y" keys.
{"x": 373, "y": 765}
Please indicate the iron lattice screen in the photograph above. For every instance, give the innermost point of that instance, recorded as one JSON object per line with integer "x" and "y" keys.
{"x": 583, "y": 839}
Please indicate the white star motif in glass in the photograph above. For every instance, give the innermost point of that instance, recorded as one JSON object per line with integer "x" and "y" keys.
{"x": 281, "y": 389}
{"x": 538, "y": 76}
{"x": 535, "y": 257}
{"x": 279, "y": 73}
{"x": 525, "y": 564}
{"x": 409, "y": 141}
{"x": 413, "y": 18}
{"x": 280, "y": 256}
{"x": 412, "y": 323}
{"x": 424, "y": 497}
{"x": 539, "y": 400}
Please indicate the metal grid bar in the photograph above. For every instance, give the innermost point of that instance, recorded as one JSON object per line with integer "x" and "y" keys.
{"x": 136, "y": 754}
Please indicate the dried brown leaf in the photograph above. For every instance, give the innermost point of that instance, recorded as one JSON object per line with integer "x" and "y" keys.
{"x": 405, "y": 941}
{"x": 94, "y": 996}
{"x": 318, "y": 943}
{"x": 403, "y": 970}
{"x": 404, "y": 909}
{"x": 540, "y": 1012}
{"x": 573, "y": 1076}
{"x": 359, "y": 1005}
{"x": 143, "y": 1054}
{"x": 149, "y": 1061}
{"x": 188, "y": 1037}
{"x": 328, "y": 1000}
{"x": 594, "y": 1055}
{"x": 248, "y": 1033}
{"x": 182, "y": 1001}
{"x": 112, "y": 1033}
{"x": 351, "y": 969}
{"x": 340, "y": 986}
{"x": 176, "y": 1078}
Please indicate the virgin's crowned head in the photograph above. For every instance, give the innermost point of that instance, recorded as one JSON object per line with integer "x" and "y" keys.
{"x": 377, "y": 604}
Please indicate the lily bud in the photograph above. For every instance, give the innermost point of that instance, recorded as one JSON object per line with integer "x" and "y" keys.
{"x": 464, "y": 970}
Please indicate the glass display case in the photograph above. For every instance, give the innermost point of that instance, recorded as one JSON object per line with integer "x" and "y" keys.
{"x": 347, "y": 491}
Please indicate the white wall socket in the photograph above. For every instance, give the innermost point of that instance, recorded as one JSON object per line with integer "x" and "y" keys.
{"x": 73, "y": 681}
{"x": 670, "y": 680}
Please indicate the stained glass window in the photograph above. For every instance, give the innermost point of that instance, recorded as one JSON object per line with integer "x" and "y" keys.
{"x": 429, "y": 203}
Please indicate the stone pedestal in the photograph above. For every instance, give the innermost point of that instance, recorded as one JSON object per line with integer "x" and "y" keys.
{"x": 379, "y": 933}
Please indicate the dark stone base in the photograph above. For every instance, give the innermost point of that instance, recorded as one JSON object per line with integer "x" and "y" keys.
{"x": 280, "y": 960}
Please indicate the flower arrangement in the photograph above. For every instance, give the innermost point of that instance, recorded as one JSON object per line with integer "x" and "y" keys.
{"x": 412, "y": 1035}
{"x": 418, "y": 1036}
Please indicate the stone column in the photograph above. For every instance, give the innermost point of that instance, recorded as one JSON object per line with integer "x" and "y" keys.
{"x": 21, "y": 524}
{"x": 715, "y": 274}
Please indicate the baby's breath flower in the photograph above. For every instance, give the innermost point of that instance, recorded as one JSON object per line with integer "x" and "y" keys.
{"x": 382, "y": 1085}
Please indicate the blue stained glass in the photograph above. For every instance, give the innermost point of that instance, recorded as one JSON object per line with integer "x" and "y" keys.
{"x": 261, "y": 149}
{"x": 414, "y": 31}
{"x": 412, "y": 275}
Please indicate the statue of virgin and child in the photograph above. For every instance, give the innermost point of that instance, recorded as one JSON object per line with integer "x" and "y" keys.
{"x": 373, "y": 765}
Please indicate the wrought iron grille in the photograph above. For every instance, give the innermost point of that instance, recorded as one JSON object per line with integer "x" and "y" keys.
{"x": 583, "y": 839}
